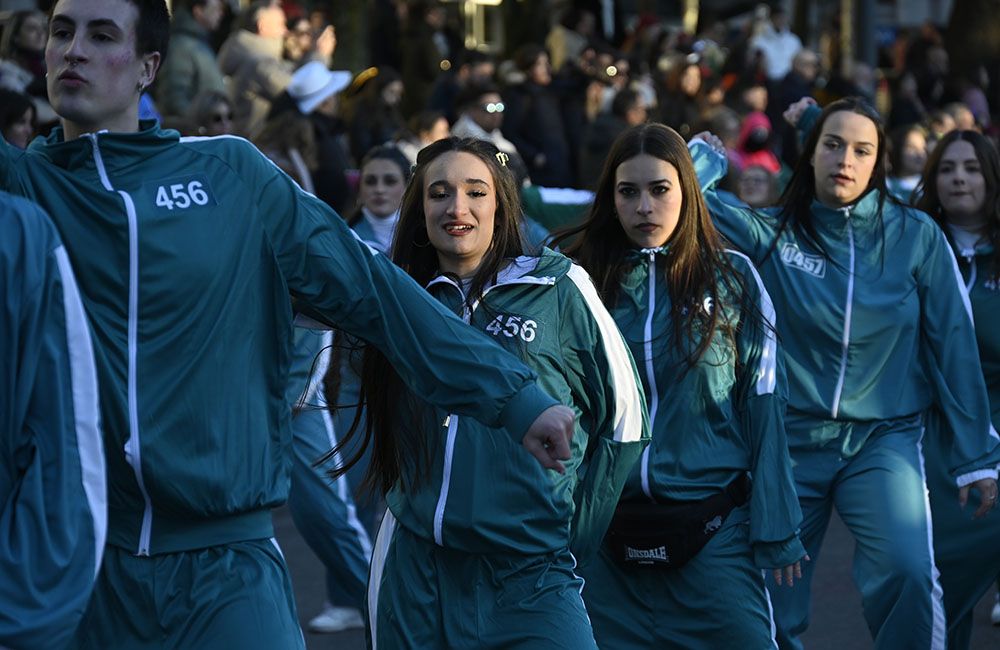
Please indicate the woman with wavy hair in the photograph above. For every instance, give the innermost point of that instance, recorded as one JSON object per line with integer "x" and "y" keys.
{"x": 875, "y": 330}
{"x": 483, "y": 542}
{"x": 711, "y": 503}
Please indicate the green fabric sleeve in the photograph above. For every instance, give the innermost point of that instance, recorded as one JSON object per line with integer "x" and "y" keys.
{"x": 608, "y": 391}
{"x": 740, "y": 224}
{"x": 952, "y": 360}
{"x": 53, "y": 522}
{"x": 762, "y": 392}
{"x": 449, "y": 364}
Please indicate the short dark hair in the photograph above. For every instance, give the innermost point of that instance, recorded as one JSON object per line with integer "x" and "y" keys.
{"x": 13, "y": 105}
{"x": 469, "y": 96}
{"x": 623, "y": 102}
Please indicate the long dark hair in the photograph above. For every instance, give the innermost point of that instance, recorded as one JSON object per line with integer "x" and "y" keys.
{"x": 396, "y": 421}
{"x": 796, "y": 202}
{"x": 989, "y": 164}
{"x": 695, "y": 257}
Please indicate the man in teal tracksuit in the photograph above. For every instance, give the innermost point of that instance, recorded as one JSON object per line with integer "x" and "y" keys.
{"x": 712, "y": 424}
{"x": 53, "y": 520}
{"x": 873, "y": 335}
{"x": 482, "y": 554}
{"x": 186, "y": 251}
{"x": 966, "y": 571}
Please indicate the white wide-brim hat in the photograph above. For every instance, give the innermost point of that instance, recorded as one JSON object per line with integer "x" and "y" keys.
{"x": 313, "y": 83}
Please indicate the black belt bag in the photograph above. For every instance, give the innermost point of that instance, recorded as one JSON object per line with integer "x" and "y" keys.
{"x": 667, "y": 535}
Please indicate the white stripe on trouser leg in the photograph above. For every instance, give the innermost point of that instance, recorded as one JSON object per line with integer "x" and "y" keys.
{"x": 937, "y": 594}
{"x": 382, "y": 541}
{"x": 770, "y": 611}
{"x": 277, "y": 547}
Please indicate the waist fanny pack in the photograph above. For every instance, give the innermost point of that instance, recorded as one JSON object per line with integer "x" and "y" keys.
{"x": 667, "y": 535}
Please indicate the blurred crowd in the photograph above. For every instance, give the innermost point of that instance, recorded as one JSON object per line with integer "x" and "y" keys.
{"x": 269, "y": 73}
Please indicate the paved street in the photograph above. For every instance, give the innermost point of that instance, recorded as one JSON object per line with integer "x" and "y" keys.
{"x": 837, "y": 621}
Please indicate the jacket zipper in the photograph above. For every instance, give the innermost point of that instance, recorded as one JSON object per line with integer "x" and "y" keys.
{"x": 970, "y": 257}
{"x": 846, "y": 339}
{"x": 654, "y": 400}
{"x": 133, "y": 448}
{"x": 452, "y": 420}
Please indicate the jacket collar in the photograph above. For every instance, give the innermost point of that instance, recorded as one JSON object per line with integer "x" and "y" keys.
{"x": 118, "y": 150}
{"x": 863, "y": 210}
{"x": 543, "y": 270}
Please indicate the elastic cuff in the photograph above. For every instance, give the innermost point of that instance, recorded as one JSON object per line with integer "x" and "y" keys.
{"x": 978, "y": 475}
{"x": 776, "y": 555}
{"x": 523, "y": 408}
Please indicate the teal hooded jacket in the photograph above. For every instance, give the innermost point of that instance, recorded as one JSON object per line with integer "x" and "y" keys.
{"x": 53, "y": 517}
{"x": 482, "y": 495}
{"x": 187, "y": 251}
{"x": 878, "y": 328}
{"x": 720, "y": 418}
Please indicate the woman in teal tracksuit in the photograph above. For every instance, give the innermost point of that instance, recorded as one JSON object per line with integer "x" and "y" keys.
{"x": 478, "y": 548}
{"x": 324, "y": 374}
{"x": 716, "y": 408}
{"x": 960, "y": 188}
{"x": 872, "y": 314}
{"x": 53, "y": 500}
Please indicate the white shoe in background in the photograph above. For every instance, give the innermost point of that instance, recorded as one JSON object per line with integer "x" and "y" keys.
{"x": 336, "y": 619}
{"x": 995, "y": 614}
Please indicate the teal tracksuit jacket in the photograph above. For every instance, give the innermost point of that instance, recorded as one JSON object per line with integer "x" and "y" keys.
{"x": 966, "y": 549}
{"x": 53, "y": 518}
{"x": 720, "y": 419}
{"x": 186, "y": 251}
{"x": 874, "y": 334}
{"x": 484, "y": 509}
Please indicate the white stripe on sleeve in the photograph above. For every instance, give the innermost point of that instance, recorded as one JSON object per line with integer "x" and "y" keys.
{"x": 767, "y": 370}
{"x": 86, "y": 413}
{"x": 628, "y": 402}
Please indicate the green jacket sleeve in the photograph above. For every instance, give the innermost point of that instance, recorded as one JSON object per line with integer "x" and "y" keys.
{"x": 740, "y": 224}
{"x": 53, "y": 520}
{"x": 348, "y": 284}
{"x": 762, "y": 393}
{"x": 9, "y": 181}
{"x": 952, "y": 360}
{"x": 600, "y": 367}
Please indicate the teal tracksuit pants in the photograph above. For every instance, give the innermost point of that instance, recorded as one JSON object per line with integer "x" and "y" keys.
{"x": 325, "y": 513}
{"x": 422, "y": 596}
{"x": 966, "y": 550}
{"x": 717, "y": 600}
{"x": 232, "y": 596}
{"x": 880, "y": 493}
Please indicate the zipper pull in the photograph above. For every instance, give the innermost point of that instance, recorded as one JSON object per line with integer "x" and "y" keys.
{"x": 447, "y": 421}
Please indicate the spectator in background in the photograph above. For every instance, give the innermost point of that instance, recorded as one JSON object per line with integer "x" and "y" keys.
{"x": 798, "y": 83}
{"x": 252, "y": 57}
{"x": 939, "y": 124}
{"x": 751, "y": 145}
{"x": 962, "y": 115}
{"x": 907, "y": 108}
{"x": 473, "y": 67}
{"x": 315, "y": 159}
{"x": 299, "y": 40}
{"x": 427, "y": 49}
{"x": 191, "y": 68}
{"x": 757, "y": 187}
{"x": 210, "y": 113}
{"x": 373, "y": 114}
{"x": 777, "y": 45}
{"x": 481, "y": 111}
{"x": 534, "y": 123}
{"x": 907, "y": 155}
{"x": 569, "y": 37}
{"x": 22, "y": 60}
{"x": 679, "y": 105}
{"x": 18, "y": 123}
{"x": 628, "y": 108}
{"x": 423, "y": 128}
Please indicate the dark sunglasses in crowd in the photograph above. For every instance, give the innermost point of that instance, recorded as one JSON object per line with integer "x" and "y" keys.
{"x": 493, "y": 107}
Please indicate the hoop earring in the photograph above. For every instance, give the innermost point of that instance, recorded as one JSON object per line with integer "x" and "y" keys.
{"x": 419, "y": 245}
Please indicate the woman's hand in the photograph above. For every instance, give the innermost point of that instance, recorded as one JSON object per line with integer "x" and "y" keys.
{"x": 987, "y": 495}
{"x": 795, "y": 110}
{"x": 549, "y": 437}
{"x": 712, "y": 140}
{"x": 789, "y": 573}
